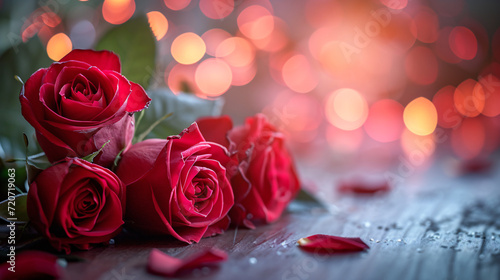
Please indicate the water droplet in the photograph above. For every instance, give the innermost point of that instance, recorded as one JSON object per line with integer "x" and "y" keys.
{"x": 481, "y": 256}
{"x": 471, "y": 233}
{"x": 378, "y": 241}
{"x": 252, "y": 260}
{"x": 111, "y": 241}
{"x": 283, "y": 244}
{"x": 371, "y": 239}
{"x": 62, "y": 262}
{"x": 367, "y": 224}
{"x": 399, "y": 240}
{"x": 249, "y": 216}
{"x": 492, "y": 237}
{"x": 419, "y": 250}
{"x": 205, "y": 270}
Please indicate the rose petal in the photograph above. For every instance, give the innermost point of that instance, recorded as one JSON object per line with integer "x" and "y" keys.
{"x": 138, "y": 98}
{"x": 215, "y": 129}
{"x": 329, "y": 244}
{"x": 363, "y": 187}
{"x": 163, "y": 264}
{"x": 105, "y": 60}
{"x": 475, "y": 166}
{"x": 32, "y": 265}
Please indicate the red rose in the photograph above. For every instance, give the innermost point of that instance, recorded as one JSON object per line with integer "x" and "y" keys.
{"x": 177, "y": 186}
{"x": 81, "y": 102}
{"x": 266, "y": 180}
{"x": 75, "y": 202}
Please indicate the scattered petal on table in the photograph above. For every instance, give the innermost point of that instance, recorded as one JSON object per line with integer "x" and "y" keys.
{"x": 328, "y": 244}
{"x": 475, "y": 166}
{"x": 163, "y": 264}
{"x": 32, "y": 265}
{"x": 363, "y": 187}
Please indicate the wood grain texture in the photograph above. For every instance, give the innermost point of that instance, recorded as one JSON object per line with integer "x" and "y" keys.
{"x": 431, "y": 226}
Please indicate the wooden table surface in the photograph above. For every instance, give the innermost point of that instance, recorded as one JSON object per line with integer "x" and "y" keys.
{"x": 431, "y": 226}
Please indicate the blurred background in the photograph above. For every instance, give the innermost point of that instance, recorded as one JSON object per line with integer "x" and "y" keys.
{"x": 381, "y": 87}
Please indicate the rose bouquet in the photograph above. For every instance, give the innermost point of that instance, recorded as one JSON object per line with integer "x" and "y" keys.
{"x": 188, "y": 186}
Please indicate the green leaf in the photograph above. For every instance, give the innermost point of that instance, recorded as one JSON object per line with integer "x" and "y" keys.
{"x": 186, "y": 109}
{"x": 90, "y": 158}
{"x": 36, "y": 164}
{"x": 134, "y": 42}
{"x": 18, "y": 208}
{"x": 21, "y": 60}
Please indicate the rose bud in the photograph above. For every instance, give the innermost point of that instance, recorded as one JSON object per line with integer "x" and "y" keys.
{"x": 79, "y": 103}
{"x": 266, "y": 180}
{"x": 178, "y": 186}
{"x": 75, "y": 202}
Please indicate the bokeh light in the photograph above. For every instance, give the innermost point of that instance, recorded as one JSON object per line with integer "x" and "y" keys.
{"x": 448, "y": 116}
{"x": 59, "y": 46}
{"x": 426, "y": 25}
{"x": 236, "y": 51}
{"x": 213, "y": 76}
{"x": 298, "y": 74}
{"x": 463, "y": 43}
{"x": 216, "y": 9}
{"x": 420, "y": 116}
{"x": 385, "y": 121}
{"x": 118, "y": 11}
{"x": 181, "y": 79}
{"x": 158, "y": 23}
{"x": 243, "y": 75}
{"x": 256, "y": 22}
{"x": 276, "y": 41}
{"x": 188, "y": 48}
{"x": 176, "y": 5}
{"x": 491, "y": 86}
{"x": 212, "y": 38}
{"x": 83, "y": 35}
{"x": 398, "y": 32}
{"x": 469, "y": 98}
{"x": 442, "y": 46}
{"x": 346, "y": 109}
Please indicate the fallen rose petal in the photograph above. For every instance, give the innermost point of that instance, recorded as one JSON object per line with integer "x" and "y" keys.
{"x": 362, "y": 187}
{"x": 322, "y": 243}
{"x": 163, "y": 264}
{"x": 475, "y": 166}
{"x": 32, "y": 265}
